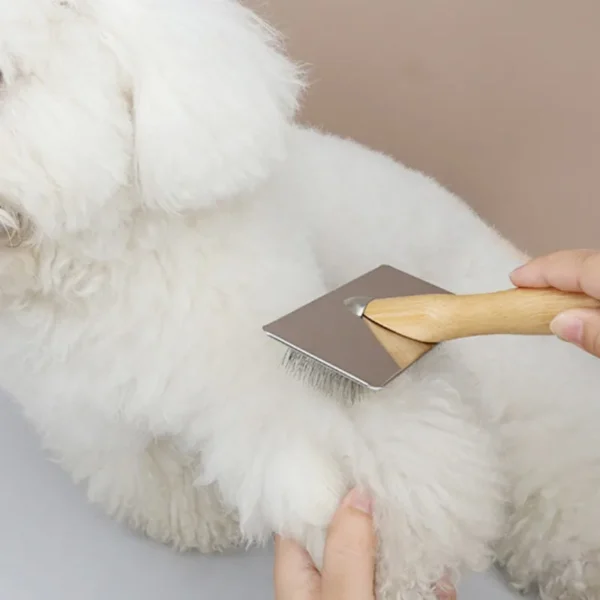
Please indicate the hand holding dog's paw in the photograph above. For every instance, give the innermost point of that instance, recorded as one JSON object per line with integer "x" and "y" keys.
{"x": 291, "y": 484}
{"x": 348, "y": 562}
{"x": 350, "y": 553}
{"x": 303, "y": 488}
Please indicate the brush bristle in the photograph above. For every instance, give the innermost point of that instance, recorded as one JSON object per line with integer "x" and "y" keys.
{"x": 322, "y": 377}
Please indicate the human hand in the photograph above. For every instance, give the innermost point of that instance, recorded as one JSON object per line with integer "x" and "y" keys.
{"x": 349, "y": 560}
{"x": 570, "y": 271}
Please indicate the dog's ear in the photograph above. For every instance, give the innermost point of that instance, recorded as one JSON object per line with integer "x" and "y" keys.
{"x": 65, "y": 127}
{"x": 212, "y": 97}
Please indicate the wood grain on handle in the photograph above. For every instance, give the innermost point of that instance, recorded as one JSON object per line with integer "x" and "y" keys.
{"x": 440, "y": 317}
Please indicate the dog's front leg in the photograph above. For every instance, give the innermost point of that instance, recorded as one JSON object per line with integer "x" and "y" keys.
{"x": 437, "y": 478}
{"x": 276, "y": 449}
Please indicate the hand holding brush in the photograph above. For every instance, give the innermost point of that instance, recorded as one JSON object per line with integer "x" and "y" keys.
{"x": 367, "y": 332}
{"x": 569, "y": 271}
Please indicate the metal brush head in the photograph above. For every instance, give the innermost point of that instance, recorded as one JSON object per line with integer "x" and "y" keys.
{"x": 323, "y": 377}
{"x": 332, "y": 348}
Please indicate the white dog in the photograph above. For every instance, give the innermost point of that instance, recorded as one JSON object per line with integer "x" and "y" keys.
{"x": 159, "y": 206}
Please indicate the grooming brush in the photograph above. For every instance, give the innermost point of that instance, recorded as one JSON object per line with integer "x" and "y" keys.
{"x": 364, "y": 334}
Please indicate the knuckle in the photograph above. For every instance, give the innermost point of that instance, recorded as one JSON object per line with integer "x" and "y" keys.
{"x": 590, "y": 275}
{"x": 595, "y": 343}
{"x": 591, "y": 336}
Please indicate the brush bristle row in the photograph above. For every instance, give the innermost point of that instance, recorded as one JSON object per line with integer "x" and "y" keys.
{"x": 322, "y": 377}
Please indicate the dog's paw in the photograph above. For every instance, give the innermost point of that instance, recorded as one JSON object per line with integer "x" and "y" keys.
{"x": 577, "y": 579}
{"x": 303, "y": 487}
{"x": 572, "y": 579}
{"x": 191, "y": 519}
{"x": 531, "y": 570}
{"x": 552, "y": 547}
{"x": 412, "y": 565}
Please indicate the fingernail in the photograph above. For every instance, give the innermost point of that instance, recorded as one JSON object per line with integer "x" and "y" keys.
{"x": 515, "y": 271}
{"x": 568, "y": 327}
{"x": 360, "y": 500}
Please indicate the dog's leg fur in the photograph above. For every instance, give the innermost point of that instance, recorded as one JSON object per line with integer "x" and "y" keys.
{"x": 430, "y": 458}
{"x": 147, "y": 484}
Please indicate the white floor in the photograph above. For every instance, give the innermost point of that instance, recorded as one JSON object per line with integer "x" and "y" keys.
{"x": 54, "y": 546}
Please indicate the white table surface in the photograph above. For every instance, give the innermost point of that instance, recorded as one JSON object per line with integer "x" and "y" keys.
{"x": 54, "y": 546}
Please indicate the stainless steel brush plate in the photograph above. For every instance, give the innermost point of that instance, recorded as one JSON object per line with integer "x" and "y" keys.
{"x": 328, "y": 338}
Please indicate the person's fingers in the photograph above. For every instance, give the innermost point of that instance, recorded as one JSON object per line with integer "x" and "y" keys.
{"x": 349, "y": 561}
{"x": 295, "y": 576}
{"x": 445, "y": 590}
{"x": 567, "y": 270}
{"x": 579, "y": 327}
{"x": 559, "y": 269}
{"x": 571, "y": 271}
{"x": 446, "y": 594}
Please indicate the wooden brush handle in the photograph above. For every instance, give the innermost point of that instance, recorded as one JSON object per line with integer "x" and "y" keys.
{"x": 436, "y": 318}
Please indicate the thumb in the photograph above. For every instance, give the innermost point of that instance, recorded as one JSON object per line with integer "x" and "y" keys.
{"x": 349, "y": 563}
{"x": 580, "y": 327}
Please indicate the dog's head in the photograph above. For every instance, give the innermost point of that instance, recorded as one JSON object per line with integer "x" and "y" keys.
{"x": 113, "y": 106}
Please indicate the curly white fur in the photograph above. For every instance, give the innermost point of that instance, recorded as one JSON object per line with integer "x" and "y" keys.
{"x": 159, "y": 204}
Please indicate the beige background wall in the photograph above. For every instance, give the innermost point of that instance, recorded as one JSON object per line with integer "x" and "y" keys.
{"x": 499, "y": 99}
